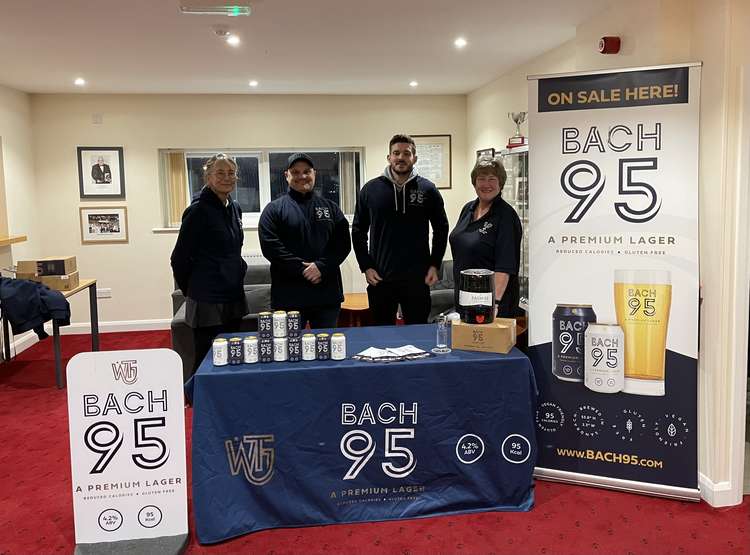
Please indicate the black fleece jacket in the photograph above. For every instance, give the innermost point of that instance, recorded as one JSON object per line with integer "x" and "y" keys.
{"x": 398, "y": 223}
{"x": 207, "y": 260}
{"x": 297, "y": 228}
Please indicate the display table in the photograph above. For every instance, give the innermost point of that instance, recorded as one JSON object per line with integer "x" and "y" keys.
{"x": 89, "y": 284}
{"x": 298, "y": 444}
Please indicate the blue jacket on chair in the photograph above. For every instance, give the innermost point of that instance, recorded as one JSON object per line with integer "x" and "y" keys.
{"x": 28, "y": 305}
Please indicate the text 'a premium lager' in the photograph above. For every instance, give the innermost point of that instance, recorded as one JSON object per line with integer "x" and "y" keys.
{"x": 643, "y": 299}
{"x": 604, "y": 368}
{"x": 569, "y": 323}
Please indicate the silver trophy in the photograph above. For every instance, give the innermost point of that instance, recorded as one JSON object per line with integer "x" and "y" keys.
{"x": 517, "y": 139}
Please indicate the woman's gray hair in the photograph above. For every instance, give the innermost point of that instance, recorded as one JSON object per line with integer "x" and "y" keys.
{"x": 209, "y": 164}
{"x": 493, "y": 166}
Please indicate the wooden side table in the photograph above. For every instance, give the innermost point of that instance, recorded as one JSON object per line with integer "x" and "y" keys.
{"x": 355, "y": 310}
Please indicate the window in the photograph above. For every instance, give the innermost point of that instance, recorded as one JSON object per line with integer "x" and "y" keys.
{"x": 338, "y": 177}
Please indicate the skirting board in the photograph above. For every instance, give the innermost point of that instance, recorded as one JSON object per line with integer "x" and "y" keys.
{"x": 20, "y": 343}
{"x": 719, "y": 494}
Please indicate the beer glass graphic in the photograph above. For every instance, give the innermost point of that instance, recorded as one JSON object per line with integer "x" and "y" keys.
{"x": 643, "y": 299}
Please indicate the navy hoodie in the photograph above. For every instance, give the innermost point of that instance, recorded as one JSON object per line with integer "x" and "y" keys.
{"x": 297, "y": 228}
{"x": 398, "y": 223}
{"x": 207, "y": 260}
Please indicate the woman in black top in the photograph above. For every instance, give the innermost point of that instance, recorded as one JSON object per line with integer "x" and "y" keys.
{"x": 207, "y": 259}
{"x": 488, "y": 236}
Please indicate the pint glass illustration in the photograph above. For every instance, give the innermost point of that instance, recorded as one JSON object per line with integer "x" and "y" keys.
{"x": 643, "y": 299}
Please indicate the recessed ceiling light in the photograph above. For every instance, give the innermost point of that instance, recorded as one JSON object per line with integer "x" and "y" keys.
{"x": 460, "y": 42}
{"x": 79, "y": 82}
{"x": 233, "y": 40}
{"x": 253, "y": 83}
{"x": 212, "y": 7}
{"x": 413, "y": 84}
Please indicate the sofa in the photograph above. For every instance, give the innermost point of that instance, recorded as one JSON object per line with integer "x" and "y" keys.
{"x": 441, "y": 293}
{"x": 258, "y": 294}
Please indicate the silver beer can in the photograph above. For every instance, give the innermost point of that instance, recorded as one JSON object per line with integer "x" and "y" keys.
{"x": 604, "y": 351}
{"x": 279, "y": 324}
{"x": 220, "y": 351}
{"x": 280, "y": 349}
{"x": 250, "y": 348}
{"x": 308, "y": 347}
{"x": 338, "y": 346}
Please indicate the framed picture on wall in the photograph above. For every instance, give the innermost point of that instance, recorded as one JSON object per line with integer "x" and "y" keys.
{"x": 434, "y": 158}
{"x": 101, "y": 172}
{"x": 104, "y": 224}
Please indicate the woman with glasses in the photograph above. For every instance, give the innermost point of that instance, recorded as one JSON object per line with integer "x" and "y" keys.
{"x": 488, "y": 236}
{"x": 207, "y": 260}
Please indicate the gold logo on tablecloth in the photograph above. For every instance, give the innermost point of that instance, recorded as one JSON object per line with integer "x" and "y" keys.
{"x": 253, "y": 455}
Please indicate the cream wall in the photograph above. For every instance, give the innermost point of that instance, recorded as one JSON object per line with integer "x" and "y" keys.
{"x": 138, "y": 272}
{"x": 18, "y": 196}
{"x": 665, "y": 32}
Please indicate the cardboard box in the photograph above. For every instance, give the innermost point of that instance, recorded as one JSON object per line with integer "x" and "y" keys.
{"x": 50, "y": 266}
{"x": 497, "y": 337}
{"x": 60, "y": 283}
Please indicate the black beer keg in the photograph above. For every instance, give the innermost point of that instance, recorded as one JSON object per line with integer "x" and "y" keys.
{"x": 476, "y": 296}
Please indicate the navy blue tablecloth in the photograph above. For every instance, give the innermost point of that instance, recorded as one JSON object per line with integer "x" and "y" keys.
{"x": 297, "y": 444}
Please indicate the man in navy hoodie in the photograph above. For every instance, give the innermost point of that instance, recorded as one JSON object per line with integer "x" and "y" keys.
{"x": 306, "y": 238}
{"x": 397, "y": 209}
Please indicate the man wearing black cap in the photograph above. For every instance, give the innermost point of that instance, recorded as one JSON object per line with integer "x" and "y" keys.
{"x": 306, "y": 238}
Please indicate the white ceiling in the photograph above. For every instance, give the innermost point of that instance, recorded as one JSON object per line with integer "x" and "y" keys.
{"x": 289, "y": 46}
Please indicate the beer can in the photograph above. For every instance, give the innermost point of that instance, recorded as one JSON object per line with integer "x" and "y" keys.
{"x": 220, "y": 351}
{"x": 265, "y": 349}
{"x": 265, "y": 325}
{"x": 279, "y": 324}
{"x": 323, "y": 346}
{"x": 308, "y": 347}
{"x": 280, "y": 349}
{"x": 250, "y": 344}
{"x": 235, "y": 351}
{"x": 604, "y": 369}
{"x": 569, "y": 323}
{"x": 295, "y": 349}
{"x": 293, "y": 323}
{"x": 338, "y": 346}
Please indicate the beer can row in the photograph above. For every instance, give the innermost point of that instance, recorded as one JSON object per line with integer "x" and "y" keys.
{"x": 249, "y": 350}
{"x": 586, "y": 351}
{"x": 279, "y": 324}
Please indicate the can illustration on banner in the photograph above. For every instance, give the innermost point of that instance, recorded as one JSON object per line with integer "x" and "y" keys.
{"x": 569, "y": 323}
{"x": 604, "y": 365}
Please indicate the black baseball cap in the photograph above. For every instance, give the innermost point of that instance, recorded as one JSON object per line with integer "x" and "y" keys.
{"x": 297, "y": 157}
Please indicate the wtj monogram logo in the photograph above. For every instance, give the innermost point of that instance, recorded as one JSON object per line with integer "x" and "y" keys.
{"x": 253, "y": 455}
{"x": 416, "y": 197}
{"x": 126, "y": 370}
{"x": 323, "y": 213}
{"x": 485, "y": 228}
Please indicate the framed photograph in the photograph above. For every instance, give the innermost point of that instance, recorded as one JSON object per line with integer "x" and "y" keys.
{"x": 104, "y": 224}
{"x": 486, "y": 153}
{"x": 101, "y": 172}
{"x": 434, "y": 158}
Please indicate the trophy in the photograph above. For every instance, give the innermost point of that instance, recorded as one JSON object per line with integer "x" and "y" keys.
{"x": 517, "y": 139}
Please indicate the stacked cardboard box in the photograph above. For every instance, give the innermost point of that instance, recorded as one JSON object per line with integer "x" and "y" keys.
{"x": 56, "y": 272}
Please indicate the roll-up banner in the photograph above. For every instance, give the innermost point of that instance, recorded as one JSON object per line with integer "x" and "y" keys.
{"x": 613, "y": 292}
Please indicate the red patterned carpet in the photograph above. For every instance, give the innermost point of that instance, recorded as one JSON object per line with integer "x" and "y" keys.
{"x": 36, "y": 511}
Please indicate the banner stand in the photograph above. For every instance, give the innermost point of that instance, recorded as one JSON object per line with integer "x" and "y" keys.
{"x": 166, "y": 545}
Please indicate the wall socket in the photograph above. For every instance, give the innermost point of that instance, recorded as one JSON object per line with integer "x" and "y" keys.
{"x": 103, "y": 293}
